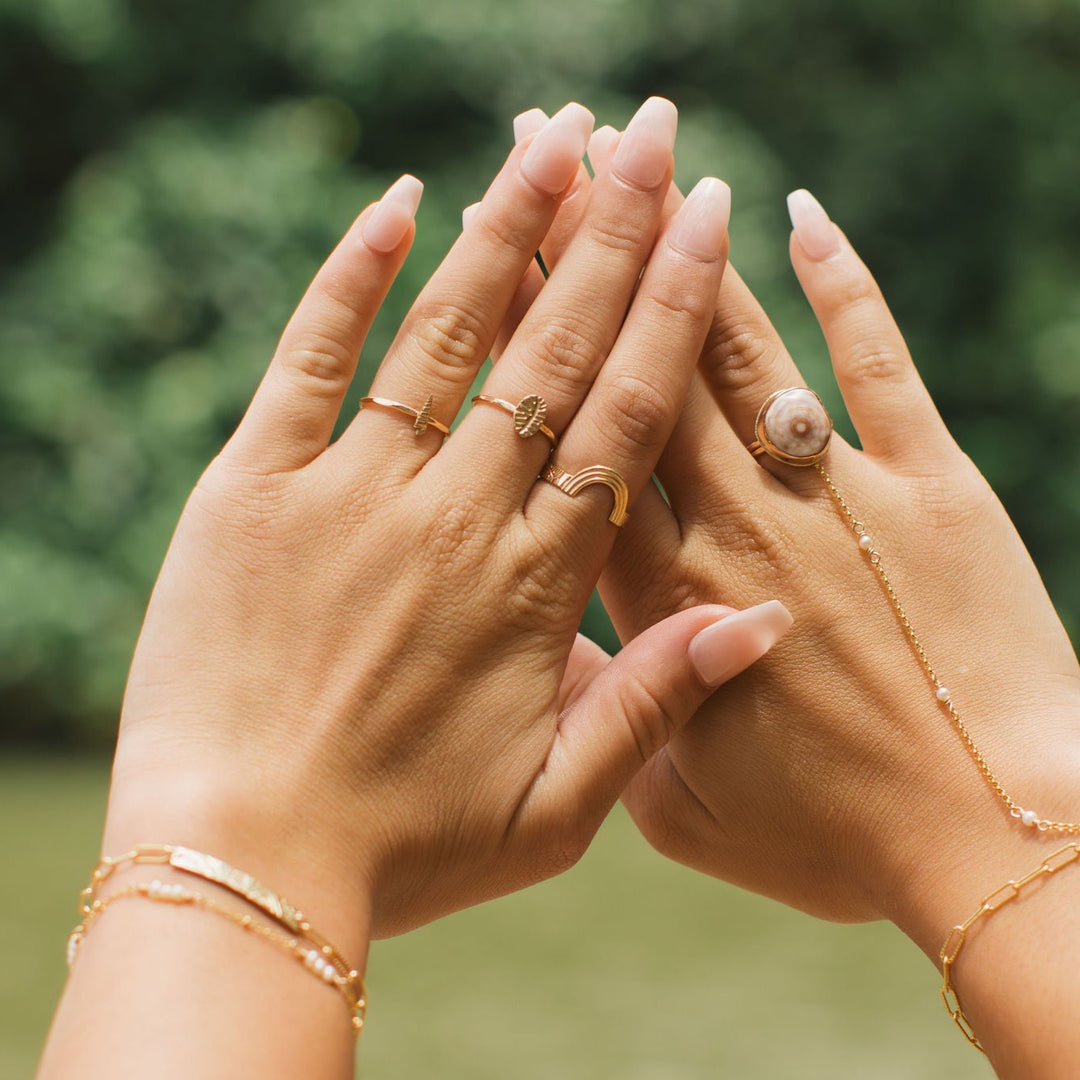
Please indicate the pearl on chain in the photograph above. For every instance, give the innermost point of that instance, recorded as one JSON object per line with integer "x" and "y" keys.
{"x": 1029, "y": 818}
{"x": 865, "y": 542}
{"x": 943, "y": 694}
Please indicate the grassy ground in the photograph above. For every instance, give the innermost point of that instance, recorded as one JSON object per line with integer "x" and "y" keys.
{"x": 626, "y": 967}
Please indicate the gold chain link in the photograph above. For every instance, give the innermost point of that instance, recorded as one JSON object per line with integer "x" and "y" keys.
{"x": 944, "y": 698}
{"x": 1008, "y": 892}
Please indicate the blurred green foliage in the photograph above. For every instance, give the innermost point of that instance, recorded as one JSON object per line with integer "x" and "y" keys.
{"x": 171, "y": 173}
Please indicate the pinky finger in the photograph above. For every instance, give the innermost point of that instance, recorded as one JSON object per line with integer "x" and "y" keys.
{"x": 292, "y": 416}
{"x": 890, "y": 407}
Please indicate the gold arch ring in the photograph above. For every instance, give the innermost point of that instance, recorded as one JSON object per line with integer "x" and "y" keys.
{"x": 574, "y": 483}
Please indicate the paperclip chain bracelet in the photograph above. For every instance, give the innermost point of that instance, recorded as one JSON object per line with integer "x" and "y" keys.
{"x": 1008, "y": 892}
{"x": 320, "y": 956}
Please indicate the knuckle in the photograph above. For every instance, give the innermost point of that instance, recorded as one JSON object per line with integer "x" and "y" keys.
{"x": 681, "y": 304}
{"x": 448, "y": 334}
{"x": 512, "y": 231}
{"x": 321, "y": 363}
{"x": 619, "y": 234}
{"x": 649, "y": 718}
{"x": 958, "y": 499}
{"x": 876, "y": 359}
{"x": 849, "y": 292}
{"x": 571, "y": 351}
{"x": 637, "y": 410}
{"x": 738, "y": 355}
{"x": 455, "y": 533}
{"x": 542, "y": 590}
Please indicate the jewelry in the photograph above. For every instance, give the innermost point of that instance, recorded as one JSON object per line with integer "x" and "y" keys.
{"x": 529, "y": 414}
{"x": 1008, "y": 892}
{"x": 248, "y": 888}
{"x": 795, "y": 435}
{"x": 317, "y": 961}
{"x": 423, "y": 418}
{"x": 573, "y": 483}
{"x": 792, "y": 426}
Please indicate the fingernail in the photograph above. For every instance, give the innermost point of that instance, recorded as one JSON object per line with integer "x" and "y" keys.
{"x": 601, "y": 147}
{"x": 393, "y": 213}
{"x": 554, "y": 155}
{"x": 700, "y": 226}
{"x": 529, "y": 123}
{"x": 816, "y": 234}
{"x": 721, "y": 651}
{"x": 644, "y": 153}
{"x": 468, "y": 214}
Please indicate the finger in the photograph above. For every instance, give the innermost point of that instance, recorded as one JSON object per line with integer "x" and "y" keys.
{"x": 630, "y": 412}
{"x": 292, "y": 415}
{"x": 562, "y": 231}
{"x": 633, "y": 706}
{"x": 887, "y": 401}
{"x": 602, "y": 147}
{"x": 450, "y": 329}
{"x": 569, "y": 331}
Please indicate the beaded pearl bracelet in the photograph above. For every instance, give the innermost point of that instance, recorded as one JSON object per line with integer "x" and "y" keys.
{"x": 305, "y": 944}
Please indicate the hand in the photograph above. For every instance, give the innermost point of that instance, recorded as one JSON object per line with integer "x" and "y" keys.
{"x": 829, "y": 776}
{"x": 358, "y": 677}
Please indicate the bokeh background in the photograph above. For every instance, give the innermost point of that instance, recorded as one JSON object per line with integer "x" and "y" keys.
{"x": 171, "y": 174}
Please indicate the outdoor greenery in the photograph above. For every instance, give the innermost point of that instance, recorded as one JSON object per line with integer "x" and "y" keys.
{"x": 173, "y": 171}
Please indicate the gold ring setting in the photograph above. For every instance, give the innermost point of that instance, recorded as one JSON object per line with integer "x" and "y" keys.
{"x": 574, "y": 483}
{"x": 792, "y": 426}
{"x": 529, "y": 415}
{"x": 422, "y": 418}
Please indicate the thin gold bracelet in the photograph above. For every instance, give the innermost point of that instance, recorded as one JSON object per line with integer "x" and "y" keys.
{"x": 167, "y": 893}
{"x": 241, "y": 884}
{"x": 1008, "y": 892}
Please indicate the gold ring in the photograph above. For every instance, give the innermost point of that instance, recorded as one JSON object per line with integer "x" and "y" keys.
{"x": 529, "y": 414}
{"x": 422, "y": 417}
{"x": 572, "y": 483}
{"x": 792, "y": 426}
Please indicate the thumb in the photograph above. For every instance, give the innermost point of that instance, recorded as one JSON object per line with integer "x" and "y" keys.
{"x": 633, "y": 706}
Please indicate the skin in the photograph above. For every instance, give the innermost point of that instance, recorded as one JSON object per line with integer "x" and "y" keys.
{"x": 359, "y": 678}
{"x": 828, "y": 776}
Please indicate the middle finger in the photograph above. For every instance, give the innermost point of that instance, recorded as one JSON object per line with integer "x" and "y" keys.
{"x": 565, "y": 338}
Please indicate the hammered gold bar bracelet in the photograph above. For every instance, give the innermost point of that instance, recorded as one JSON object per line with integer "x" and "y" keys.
{"x": 316, "y": 953}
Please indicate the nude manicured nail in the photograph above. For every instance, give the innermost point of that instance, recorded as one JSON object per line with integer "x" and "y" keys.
{"x": 468, "y": 214}
{"x": 528, "y": 123}
{"x": 393, "y": 213}
{"x": 700, "y": 227}
{"x": 644, "y": 153}
{"x": 602, "y": 146}
{"x": 554, "y": 155}
{"x": 816, "y": 234}
{"x": 721, "y": 651}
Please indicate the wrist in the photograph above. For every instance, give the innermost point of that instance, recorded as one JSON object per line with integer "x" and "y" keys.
{"x": 967, "y": 843}
{"x": 271, "y": 839}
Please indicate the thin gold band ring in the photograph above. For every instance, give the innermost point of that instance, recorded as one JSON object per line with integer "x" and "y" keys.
{"x": 422, "y": 417}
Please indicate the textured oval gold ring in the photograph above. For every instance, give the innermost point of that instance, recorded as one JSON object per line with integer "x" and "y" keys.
{"x": 792, "y": 426}
{"x": 529, "y": 414}
{"x": 422, "y": 418}
{"x": 573, "y": 483}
